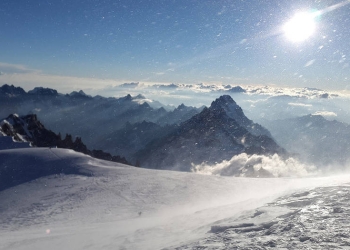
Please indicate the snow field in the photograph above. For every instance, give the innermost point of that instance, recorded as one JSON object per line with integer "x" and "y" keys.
{"x": 98, "y": 207}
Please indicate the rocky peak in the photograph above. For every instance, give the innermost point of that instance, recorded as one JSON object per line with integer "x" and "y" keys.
{"x": 231, "y": 108}
{"x": 79, "y": 95}
{"x": 126, "y": 98}
{"x": 227, "y": 105}
{"x": 43, "y": 91}
{"x": 236, "y": 89}
{"x": 11, "y": 90}
{"x": 181, "y": 106}
{"x": 22, "y": 128}
{"x": 139, "y": 97}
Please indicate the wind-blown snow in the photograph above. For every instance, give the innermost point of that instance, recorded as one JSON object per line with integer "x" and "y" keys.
{"x": 239, "y": 164}
{"x": 113, "y": 206}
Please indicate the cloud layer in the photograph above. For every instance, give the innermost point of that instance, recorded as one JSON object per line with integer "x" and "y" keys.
{"x": 258, "y": 102}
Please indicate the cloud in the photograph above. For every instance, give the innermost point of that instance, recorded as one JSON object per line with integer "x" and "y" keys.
{"x": 298, "y": 104}
{"x": 258, "y": 102}
{"x": 325, "y": 113}
{"x": 8, "y": 68}
{"x": 167, "y": 86}
{"x": 64, "y": 84}
{"x": 28, "y": 78}
{"x": 309, "y": 93}
{"x": 130, "y": 85}
{"x": 274, "y": 164}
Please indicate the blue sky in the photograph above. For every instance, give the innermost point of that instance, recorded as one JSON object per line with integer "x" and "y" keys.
{"x": 230, "y": 42}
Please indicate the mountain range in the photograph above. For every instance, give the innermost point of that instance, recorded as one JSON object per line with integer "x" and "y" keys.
{"x": 152, "y": 135}
{"x": 129, "y": 126}
{"x": 91, "y": 118}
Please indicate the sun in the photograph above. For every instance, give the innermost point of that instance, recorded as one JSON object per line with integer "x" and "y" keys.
{"x": 300, "y": 27}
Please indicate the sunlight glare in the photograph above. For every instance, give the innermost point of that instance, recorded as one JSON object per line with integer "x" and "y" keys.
{"x": 300, "y": 27}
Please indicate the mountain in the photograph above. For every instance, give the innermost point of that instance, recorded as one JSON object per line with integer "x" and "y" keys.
{"x": 216, "y": 134}
{"x": 315, "y": 139}
{"x": 29, "y": 129}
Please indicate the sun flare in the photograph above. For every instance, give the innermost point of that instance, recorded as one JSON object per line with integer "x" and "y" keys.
{"x": 300, "y": 27}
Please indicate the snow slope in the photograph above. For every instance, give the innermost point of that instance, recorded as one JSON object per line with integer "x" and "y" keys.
{"x": 105, "y": 205}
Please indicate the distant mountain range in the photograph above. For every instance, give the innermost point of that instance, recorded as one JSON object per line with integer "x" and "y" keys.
{"x": 95, "y": 119}
{"x": 149, "y": 134}
{"x": 314, "y": 139}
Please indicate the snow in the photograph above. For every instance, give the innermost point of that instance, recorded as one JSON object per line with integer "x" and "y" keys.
{"x": 99, "y": 206}
{"x": 316, "y": 219}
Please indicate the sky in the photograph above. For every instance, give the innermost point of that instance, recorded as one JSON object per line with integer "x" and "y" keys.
{"x": 90, "y": 44}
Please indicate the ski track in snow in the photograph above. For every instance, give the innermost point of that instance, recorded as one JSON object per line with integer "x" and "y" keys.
{"x": 178, "y": 210}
